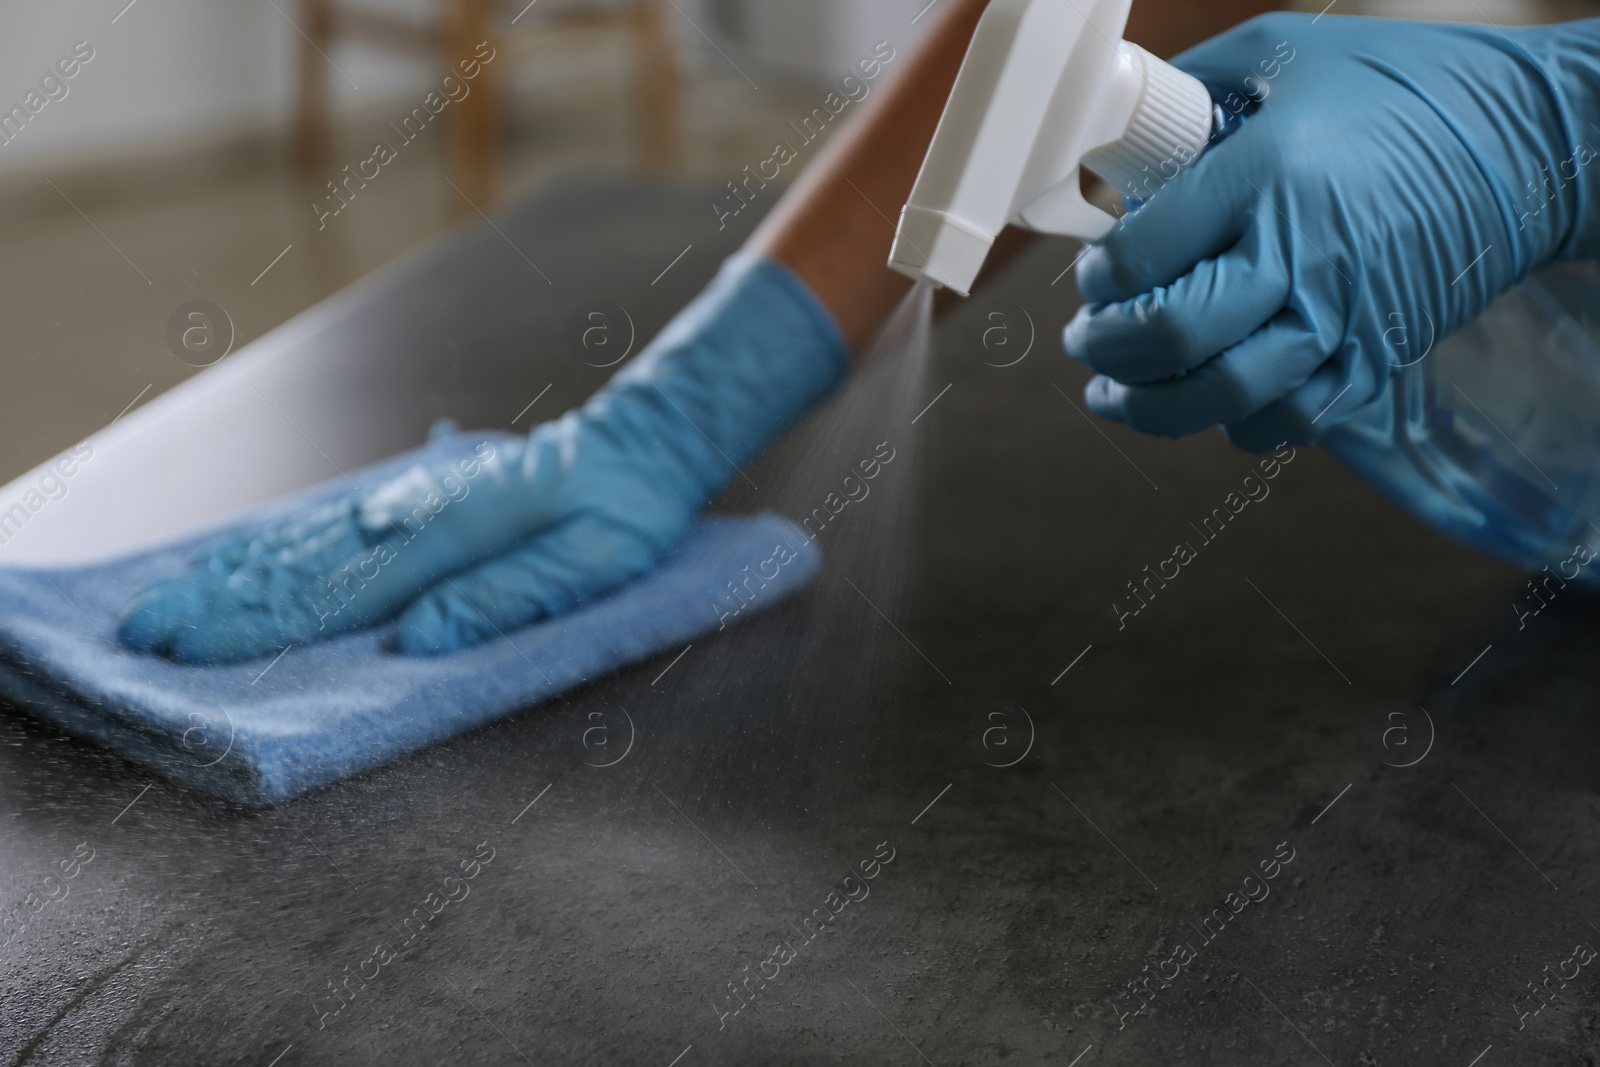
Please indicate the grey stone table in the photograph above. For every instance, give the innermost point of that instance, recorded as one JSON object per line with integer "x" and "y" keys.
{"x": 1318, "y": 801}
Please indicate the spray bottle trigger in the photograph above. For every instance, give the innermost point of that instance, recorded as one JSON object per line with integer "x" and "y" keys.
{"x": 1062, "y": 209}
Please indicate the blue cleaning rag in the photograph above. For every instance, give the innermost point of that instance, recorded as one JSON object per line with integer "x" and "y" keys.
{"x": 259, "y": 732}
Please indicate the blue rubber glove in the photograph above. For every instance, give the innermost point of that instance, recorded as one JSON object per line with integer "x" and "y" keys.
{"x": 1398, "y": 177}
{"x": 510, "y": 533}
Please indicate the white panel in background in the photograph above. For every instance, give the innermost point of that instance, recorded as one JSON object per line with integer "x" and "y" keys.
{"x": 826, "y": 38}
{"x": 169, "y": 72}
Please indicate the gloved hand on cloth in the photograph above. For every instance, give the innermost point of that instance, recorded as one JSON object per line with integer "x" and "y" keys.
{"x": 507, "y": 534}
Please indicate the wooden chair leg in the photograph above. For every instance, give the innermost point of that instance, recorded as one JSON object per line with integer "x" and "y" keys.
{"x": 314, "y": 118}
{"x": 658, "y": 84}
{"x": 474, "y": 124}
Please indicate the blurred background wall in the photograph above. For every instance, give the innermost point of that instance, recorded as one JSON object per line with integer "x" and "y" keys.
{"x": 182, "y": 76}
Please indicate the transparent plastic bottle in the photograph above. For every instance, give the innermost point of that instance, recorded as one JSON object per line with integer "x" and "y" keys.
{"x": 1492, "y": 435}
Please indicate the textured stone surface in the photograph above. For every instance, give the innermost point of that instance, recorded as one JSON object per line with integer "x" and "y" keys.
{"x": 1174, "y": 757}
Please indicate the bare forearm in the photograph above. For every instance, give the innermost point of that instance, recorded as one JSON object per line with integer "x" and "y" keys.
{"x": 835, "y": 226}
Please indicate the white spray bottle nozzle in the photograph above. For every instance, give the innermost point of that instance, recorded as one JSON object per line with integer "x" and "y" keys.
{"x": 1047, "y": 87}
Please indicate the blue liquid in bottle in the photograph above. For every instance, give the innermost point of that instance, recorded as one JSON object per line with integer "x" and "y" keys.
{"x": 1491, "y": 435}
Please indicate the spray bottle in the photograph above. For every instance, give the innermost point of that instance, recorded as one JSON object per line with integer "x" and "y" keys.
{"x": 1048, "y": 88}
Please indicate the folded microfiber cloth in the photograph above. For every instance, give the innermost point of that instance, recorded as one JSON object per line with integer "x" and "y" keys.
{"x": 262, "y": 731}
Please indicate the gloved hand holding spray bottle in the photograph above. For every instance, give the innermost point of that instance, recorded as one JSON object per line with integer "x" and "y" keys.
{"x": 1355, "y": 195}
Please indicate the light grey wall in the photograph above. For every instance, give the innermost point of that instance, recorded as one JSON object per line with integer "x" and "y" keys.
{"x": 166, "y": 72}
{"x": 825, "y": 38}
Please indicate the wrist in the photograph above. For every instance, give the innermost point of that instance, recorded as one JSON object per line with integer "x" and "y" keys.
{"x": 731, "y": 372}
